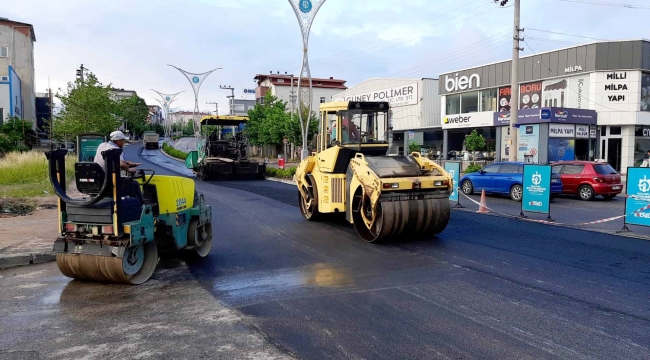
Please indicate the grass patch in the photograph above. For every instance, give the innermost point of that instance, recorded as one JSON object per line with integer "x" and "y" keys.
{"x": 25, "y": 174}
{"x": 169, "y": 150}
{"x": 287, "y": 173}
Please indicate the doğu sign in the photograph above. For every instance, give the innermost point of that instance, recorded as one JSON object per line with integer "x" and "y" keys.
{"x": 396, "y": 96}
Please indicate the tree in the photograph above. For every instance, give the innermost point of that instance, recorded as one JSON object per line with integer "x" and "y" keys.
{"x": 15, "y": 135}
{"x": 133, "y": 112}
{"x": 474, "y": 142}
{"x": 267, "y": 124}
{"x": 293, "y": 129}
{"x": 414, "y": 147}
{"x": 87, "y": 106}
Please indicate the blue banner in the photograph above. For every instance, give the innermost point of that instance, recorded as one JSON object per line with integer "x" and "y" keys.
{"x": 638, "y": 190}
{"x": 536, "y": 196}
{"x": 453, "y": 168}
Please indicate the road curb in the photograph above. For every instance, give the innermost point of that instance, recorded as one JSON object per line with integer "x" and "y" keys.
{"x": 169, "y": 156}
{"x": 284, "y": 181}
{"x": 28, "y": 259}
{"x": 566, "y": 226}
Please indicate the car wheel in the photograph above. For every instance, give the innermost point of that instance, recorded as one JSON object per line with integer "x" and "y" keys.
{"x": 516, "y": 191}
{"x": 586, "y": 192}
{"x": 468, "y": 188}
{"x": 609, "y": 196}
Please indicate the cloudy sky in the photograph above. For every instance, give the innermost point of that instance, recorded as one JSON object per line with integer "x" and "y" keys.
{"x": 130, "y": 43}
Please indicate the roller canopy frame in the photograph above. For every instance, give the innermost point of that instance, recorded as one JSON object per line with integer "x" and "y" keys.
{"x": 56, "y": 164}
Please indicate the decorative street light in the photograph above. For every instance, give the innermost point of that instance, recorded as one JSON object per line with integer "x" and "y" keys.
{"x": 167, "y": 100}
{"x": 305, "y": 12}
{"x": 195, "y": 80}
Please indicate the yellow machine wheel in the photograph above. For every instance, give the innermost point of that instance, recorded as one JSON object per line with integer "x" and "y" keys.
{"x": 136, "y": 267}
{"x": 397, "y": 220}
{"x": 309, "y": 205}
{"x": 200, "y": 237}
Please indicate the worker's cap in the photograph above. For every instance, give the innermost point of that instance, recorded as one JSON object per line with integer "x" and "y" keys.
{"x": 117, "y": 135}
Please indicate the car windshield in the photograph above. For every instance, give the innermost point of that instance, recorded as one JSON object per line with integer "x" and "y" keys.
{"x": 604, "y": 169}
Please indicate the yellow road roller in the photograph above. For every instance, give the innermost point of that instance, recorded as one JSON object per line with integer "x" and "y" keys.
{"x": 114, "y": 233}
{"x": 385, "y": 196}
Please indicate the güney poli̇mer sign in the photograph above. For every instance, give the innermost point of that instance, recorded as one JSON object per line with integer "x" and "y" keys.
{"x": 396, "y": 96}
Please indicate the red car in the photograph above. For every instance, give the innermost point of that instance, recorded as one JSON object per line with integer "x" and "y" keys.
{"x": 588, "y": 179}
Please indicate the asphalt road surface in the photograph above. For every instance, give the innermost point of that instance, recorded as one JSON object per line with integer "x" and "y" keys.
{"x": 487, "y": 288}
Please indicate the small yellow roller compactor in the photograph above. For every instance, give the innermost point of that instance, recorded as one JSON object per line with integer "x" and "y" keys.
{"x": 386, "y": 197}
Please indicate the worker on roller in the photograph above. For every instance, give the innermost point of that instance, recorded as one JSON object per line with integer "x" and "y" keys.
{"x": 117, "y": 139}
{"x": 349, "y": 133}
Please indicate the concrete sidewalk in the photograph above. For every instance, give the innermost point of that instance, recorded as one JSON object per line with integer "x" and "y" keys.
{"x": 29, "y": 239}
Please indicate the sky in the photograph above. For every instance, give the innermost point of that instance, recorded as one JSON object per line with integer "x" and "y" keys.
{"x": 129, "y": 44}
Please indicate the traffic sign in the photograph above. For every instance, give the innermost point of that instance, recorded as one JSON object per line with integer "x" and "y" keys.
{"x": 453, "y": 168}
{"x": 637, "y": 187}
{"x": 536, "y": 189}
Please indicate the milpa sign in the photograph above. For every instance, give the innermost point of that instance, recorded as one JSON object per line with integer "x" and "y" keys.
{"x": 396, "y": 96}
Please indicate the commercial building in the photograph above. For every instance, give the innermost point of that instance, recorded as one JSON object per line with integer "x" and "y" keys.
{"x": 281, "y": 86}
{"x": 584, "y": 102}
{"x": 155, "y": 115}
{"x": 414, "y": 106}
{"x": 240, "y": 107}
{"x": 17, "y": 95}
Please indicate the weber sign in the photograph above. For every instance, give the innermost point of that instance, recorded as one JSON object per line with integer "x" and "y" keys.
{"x": 396, "y": 96}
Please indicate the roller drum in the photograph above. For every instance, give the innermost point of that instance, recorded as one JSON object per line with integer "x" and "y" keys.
{"x": 397, "y": 220}
{"x": 110, "y": 269}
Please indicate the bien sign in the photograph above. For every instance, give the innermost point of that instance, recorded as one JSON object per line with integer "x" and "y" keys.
{"x": 461, "y": 83}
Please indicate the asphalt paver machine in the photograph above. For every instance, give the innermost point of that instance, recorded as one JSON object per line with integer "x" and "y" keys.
{"x": 115, "y": 231}
{"x": 385, "y": 196}
{"x": 217, "y": 157}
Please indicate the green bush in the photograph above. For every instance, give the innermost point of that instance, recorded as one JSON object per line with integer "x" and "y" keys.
{"x": 473, "y": 167}
{"x": 173, "y": 152}
{"x": 287, "y": 173}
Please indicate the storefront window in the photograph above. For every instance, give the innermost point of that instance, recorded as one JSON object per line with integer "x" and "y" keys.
{"x": 641, "y": 143}
{"x": 645, "y": 92}
{"x": 453, "y": 104}
{"x": 469, "y": 102}
{"x": 489, "y": 100}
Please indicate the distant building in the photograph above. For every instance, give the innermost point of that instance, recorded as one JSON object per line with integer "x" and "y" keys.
{"x": 17, "y": 95}
{"x": 183, "y": 117}
{"x": 119, "y": 94}
{"x": 280, "y": 85}
{"x": 43, "y": 113}
{"x": 241, "y": 106}
{"x": 155, "y": 114}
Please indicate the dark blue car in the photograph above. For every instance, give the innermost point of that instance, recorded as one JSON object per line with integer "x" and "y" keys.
{"x": 503, "y": 178}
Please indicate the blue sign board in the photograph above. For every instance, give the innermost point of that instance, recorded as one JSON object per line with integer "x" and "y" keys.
{"x": 453, "y": 168}
{"x": 536, "y": 196}
{"x": 305, "y": 6}
{"x": 195, "y": 79}
{"x": 638, "y": 190}
{"x": 548, "y": 115}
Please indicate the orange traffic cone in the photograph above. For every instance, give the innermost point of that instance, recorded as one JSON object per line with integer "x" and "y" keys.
{"x": 482, "y": 208}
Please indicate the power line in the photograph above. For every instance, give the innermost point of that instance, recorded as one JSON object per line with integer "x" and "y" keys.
{"x": 552, "y": 40}
{"x": 565, "y": 34}
{"x": 473, "y": 49}
{"x": 602, "y": 3}
{"x": 336, "y": 62}
{"x": 371, "y": 45}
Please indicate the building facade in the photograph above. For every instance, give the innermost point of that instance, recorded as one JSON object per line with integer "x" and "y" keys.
{"x": 17, "y": 95}
{"x": 43, "y": 113}
{"x": 414, "y": 106}
{"x": 240, "y": 107}
{"x": 281, "y": 86}
{"x": 585, "y": 102}
{"x": 155, "y": 115}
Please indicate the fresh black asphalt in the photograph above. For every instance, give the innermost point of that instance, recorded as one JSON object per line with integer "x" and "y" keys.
{"x": 486, "y": 288}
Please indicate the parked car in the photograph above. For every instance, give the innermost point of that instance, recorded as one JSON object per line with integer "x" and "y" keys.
{"x": 588, "y": 179}
{"x": 503, "y": 178}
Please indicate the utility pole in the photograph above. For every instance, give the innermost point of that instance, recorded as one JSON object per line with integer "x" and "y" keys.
{"x": 80, "y": 72}
{"x": 514, "y": 81}
{"x": 216, "y": 111}
{"x": 49, "y": 90}
{"x": 232, "y": 104}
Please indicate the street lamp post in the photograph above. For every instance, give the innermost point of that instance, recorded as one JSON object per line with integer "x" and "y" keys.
{"x": 195, "y": 80}
{"x": 167, "y": 100}
{"x": 305, "y": 11}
